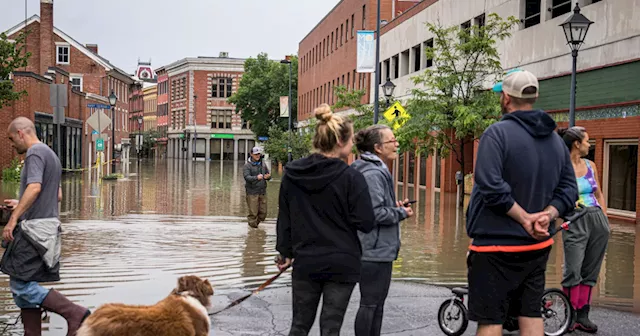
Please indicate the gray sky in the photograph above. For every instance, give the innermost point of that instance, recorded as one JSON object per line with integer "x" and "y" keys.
{"x": 168, "y": 30}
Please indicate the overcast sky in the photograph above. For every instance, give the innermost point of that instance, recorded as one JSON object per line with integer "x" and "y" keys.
{"x": 167, "y": 30}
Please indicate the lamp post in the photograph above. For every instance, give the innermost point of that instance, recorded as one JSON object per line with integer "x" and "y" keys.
{"x": 113, "y": 99}
{"x": 575, "y": 29}
{"x": 388, "y": 88}
{"x": 139, "y": 142}
{"x": 195, "y": 134}
{"x": 376, "y": 94}
{"x": 289, "y": 154}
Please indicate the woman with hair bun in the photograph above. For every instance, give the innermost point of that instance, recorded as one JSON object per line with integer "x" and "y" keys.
{"x": 585, "y": 243}
{"x": 323, "y": 204}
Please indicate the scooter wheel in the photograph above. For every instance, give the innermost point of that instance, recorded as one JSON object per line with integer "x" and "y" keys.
{"x": 453, "y": 318}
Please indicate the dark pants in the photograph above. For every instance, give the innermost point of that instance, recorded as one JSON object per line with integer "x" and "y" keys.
{"x": 374, "y": 287}
{"x": 257, "y": 209}
{"x": 306, "y": 296}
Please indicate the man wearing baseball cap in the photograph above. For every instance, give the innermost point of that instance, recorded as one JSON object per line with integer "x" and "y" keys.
{"x": 256, "y": 174}
{"x": 524, "y": 180}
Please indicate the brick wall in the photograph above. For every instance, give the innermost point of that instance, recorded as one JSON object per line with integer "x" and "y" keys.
{"x": 323, "y": 65}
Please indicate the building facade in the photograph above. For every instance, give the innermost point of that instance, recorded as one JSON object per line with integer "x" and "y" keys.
{"x": 327, "y": 55}
{"x": 608, "y": 92}
{"x": 202, "y": 124}
{"x": 163, "y": 112}
{"x": 150, "y": 114}
{"x": 58, "y": 58}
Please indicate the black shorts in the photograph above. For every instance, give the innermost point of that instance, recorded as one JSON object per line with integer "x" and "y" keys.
{"x": 505, "y": 284}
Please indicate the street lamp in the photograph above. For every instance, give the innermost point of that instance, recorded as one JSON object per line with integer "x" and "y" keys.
{"x": 388, "y": 88}
{"x": 575, "y": 29}
{"x": 287, "y": 61}
{"x": 139, "y": 141}
{"x": 113, "y": 99}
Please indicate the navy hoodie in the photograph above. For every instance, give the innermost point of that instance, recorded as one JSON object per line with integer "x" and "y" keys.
{"x": 323, "y": 203}
{"x": 520, "y": 159}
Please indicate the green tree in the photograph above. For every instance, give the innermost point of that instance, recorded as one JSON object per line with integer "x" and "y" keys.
{"x": 278, "y": 140}
{"x": 258, "y": 97}
{"x": 454, "y": 108}
{"x": 12, "y": 57}
{"x": 363, "y": 117}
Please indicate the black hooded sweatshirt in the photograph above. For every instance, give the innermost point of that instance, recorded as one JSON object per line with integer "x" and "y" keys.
{"x": 323, "y": 203}
{"x": 520, "y": 159}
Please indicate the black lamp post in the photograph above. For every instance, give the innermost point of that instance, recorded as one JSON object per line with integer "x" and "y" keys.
{"x": 139, "y": 141}
{"x": 388, "y": 88}
{"x": 289, "y": 154}
{"x": 376, "y": 90}
{"x": 113, "y": 99}
{"x": 575, "y": 30}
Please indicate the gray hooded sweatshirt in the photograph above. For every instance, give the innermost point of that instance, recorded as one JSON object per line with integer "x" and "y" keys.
{"x": 383, "y": 243}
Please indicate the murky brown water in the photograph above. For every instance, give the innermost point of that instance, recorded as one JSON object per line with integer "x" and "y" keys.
{"x": 128, "y": 240}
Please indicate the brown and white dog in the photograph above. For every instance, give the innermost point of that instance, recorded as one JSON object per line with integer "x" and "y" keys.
{"x": 182, "y": 313}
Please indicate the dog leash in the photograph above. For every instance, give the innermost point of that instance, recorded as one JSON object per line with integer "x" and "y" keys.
{"x": 263, "y": 286}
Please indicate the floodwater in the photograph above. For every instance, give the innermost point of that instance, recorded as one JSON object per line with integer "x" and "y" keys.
{"x": 129, "y": 240}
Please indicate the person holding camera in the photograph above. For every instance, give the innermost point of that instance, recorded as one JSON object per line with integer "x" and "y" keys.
{"x": 256, "y": 174}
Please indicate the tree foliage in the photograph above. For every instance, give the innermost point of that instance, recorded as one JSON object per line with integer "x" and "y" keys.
{"x": 363, "y": 117}
{"x": 12, "y": 57}
{"x": 258, "y": 97}
{"x": 454, "y": 104}
{"x": 278, "y": 140}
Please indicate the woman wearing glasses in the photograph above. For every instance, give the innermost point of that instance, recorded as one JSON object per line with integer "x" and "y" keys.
{"x": 380, "y": 247}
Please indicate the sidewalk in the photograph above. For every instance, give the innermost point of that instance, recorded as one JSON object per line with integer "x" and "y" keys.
{"x": 410, "y": 309}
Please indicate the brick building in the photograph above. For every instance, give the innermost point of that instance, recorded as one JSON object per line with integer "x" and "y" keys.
{"x": 150, "y": 115}
{"x": 327, "y": 55}
{"x": 163, "y": 112}
{"x": 58, "y": 58}
{"x": 608, "y": 92}
{"x": 201, "y": 122}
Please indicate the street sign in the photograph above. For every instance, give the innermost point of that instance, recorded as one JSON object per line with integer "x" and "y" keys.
{"x": 221, "y": 136}
{"x": 99, "y": 106}
{"x": 263, "y": 138}
{"x": 396, "y": 114}
{"x": 100, "y": 145}
{"x": 58, "y": 100}
{"x": 99, "y": 121}
{"x": 94, "y": 132}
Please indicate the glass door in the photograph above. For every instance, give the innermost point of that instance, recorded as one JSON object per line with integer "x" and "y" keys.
{"x": 621, "y": 176}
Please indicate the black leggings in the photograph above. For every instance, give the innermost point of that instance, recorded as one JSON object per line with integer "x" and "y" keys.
{"x": 374, "y": 287}
{"x": 306, "y": 296}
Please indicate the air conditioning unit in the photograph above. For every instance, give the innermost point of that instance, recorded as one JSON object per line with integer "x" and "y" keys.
{"x": 224, "y": 54}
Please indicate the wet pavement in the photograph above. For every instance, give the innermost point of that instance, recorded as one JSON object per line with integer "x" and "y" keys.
{"x": 410, "y": 310}
{"x": 129, "y": 240}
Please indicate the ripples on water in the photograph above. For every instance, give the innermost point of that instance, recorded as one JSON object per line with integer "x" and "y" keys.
{"x": 128, "y": 241}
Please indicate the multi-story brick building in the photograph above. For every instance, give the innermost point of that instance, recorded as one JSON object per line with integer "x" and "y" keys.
{"x": 327, "y": 55}
{"x": 163, "y": 112}
{"x": 58, "y": 58}
{"x": 608, "y": 92}
{"x": 150, "y": 115}
{"x": 202, "y": 123}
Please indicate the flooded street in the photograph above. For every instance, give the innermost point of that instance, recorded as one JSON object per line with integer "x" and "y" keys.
{"x": 128, "y": 240}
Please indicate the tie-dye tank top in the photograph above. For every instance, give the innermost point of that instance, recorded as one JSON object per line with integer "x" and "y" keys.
{"x": 587, "y": 187}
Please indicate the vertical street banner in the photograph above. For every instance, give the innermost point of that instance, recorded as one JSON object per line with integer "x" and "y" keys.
{"x": 284, "y": 107}
{"x": 366, "y": 59}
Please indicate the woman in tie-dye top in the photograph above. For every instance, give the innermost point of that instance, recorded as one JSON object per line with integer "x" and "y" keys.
{"x": 586, "y": 240}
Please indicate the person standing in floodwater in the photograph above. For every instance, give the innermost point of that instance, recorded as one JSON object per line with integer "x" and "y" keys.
{"x": 33, "y": 234}
{"x": 256, "y": 174}
{"x": 585, "y": 242}
{"x": 323, "y": 203}
{"x": 376, "y": 145}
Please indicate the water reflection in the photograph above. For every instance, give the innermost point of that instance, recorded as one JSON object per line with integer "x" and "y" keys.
{"x": 128, "y": 240}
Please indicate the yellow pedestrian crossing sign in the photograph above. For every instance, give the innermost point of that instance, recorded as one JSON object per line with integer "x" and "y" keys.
{"x": 396, "y": 114}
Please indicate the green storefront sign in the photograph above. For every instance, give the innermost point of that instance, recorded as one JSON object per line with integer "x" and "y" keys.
{"x": 221, "y": 136}
{"x": 181, "y": 135}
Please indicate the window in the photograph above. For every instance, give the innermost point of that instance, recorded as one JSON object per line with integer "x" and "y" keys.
{"x": 364, "y": 16}
{"x": 531, "y": 13}
{"x": 349, "y": 81}
{"x": 341, "y": 33}
{"x": 560, "y": 7}
{"x": 417, "y": 65}
{"x": 347, "y": 31}
{"x": 479, "y": 22}
{"x": 76, "y": 82}
{"x": 326, "y": 46}
{"x": 404, "y": 68}
{"x": 429, "y": 61}
{"x": 332, "y": 42}
{"x": 336, "y": 38}
{"x": 62, "y": 53}
{"x": 221, "y": 87}
{"x": 353, "y": 25}
{"x": 396, "y": 66}
{"x": 466, "y": 26}
{"x": 620, "y": 174}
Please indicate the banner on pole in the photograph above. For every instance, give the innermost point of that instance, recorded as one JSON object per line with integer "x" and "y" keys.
{"x": 366, "y": 58}
{"x": 284, "y": 107}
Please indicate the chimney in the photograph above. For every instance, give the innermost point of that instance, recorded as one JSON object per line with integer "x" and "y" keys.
{"x": 93, "y": 48}
{"x": 47, "y": 50}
